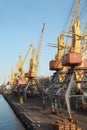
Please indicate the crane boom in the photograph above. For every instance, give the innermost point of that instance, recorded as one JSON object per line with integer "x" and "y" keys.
{"x": 21, "y": 62}
{"x": 27, "y": 54}
{"x": 75, "y": 14}
{"x": 35, "y": 58}
{"x": 40, "y": 46}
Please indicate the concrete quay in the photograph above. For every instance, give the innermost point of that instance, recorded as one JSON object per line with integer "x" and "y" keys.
{"x": 34, "y": 117}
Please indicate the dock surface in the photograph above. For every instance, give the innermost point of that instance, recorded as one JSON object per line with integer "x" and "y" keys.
{"x": 41, "y": 118}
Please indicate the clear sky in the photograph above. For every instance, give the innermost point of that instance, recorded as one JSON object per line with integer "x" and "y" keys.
{"x": 21, "y": 22}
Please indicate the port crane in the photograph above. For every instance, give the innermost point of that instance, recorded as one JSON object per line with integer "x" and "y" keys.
{"x": 74, "y": 58}
{"x": 35, "y": 58}
{"x": 34, "y": 66}
{"x": 21, "y": 78}
{"x": 57, "y": 64}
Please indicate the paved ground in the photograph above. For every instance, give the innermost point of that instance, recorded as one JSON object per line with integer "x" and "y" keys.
{"x": 41, "y": 119}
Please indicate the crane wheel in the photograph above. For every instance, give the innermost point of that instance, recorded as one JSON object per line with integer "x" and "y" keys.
{"x": 70, "y": 119}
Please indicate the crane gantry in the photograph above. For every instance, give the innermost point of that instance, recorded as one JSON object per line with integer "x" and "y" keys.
{"x": 74, "y": 60}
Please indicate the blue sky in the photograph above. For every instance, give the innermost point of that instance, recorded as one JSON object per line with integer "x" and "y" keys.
{"x": 21, "y": 22}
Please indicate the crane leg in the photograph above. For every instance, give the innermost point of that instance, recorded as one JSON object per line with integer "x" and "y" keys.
{"x": 67, "y": 97}
{"x": 25, "y": 91}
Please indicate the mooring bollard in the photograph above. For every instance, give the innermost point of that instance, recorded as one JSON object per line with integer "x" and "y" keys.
{"x": 44, "y": 104}
{"x": 21, "y": 100}
{"x": 56, "y": 107}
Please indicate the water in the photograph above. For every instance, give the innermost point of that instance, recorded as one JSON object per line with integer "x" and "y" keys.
{"x": 8, "y": 120}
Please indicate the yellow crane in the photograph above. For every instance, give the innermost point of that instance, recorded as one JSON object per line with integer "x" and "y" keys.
{"x": 34, "y": 65}
{"x": 35, "y": 58}
{"x": 20, "y": 66}
{"x": 74, "y": 58}
{"x": 57, "y": 64}
{"x": 21, "y": 62}
{"x": 69, "y": 56}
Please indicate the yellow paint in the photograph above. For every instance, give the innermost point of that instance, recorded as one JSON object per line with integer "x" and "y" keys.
{"x": 32, "y": 65}
{"x": 60, "y": 46}
{"x": 62, "y": 76}
{"x": 76, "y": 37}
{"x": 21, "y": 100}
{"x": 77, "y": 49}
